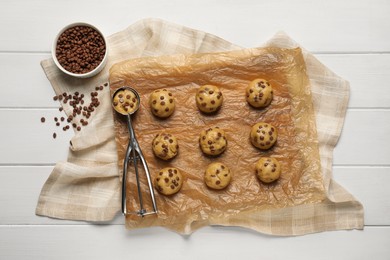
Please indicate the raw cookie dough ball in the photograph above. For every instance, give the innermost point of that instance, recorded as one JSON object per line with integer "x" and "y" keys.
{"x": 268, "y": 169}
{"x": 209, "y": 98}
{"x": 217, "y": 176}
{"x": 125, "y": 101}
{"x": 263, "y": 135}
{"x": 162, "y": 103}
{"x": 213, "y": 141}
{"x": 168, "y": 181}
{"x": 165, "y": 146}
{"x": 259, "y": 93}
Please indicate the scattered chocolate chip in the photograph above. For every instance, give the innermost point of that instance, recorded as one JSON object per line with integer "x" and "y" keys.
{"x": 54, "y": 135}
{"x": 43, "y": 119}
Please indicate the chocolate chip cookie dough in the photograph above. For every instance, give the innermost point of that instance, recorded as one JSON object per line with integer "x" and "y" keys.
{"x": 213, "y": 141}
{"x": 125, "y": 101}
{"x": 217, "y": 176}
{"x": 209, "y": 98}
{"x": 162, "y": 103}
{"x": 165, "y": 146}
{"x": 263, "y": 135}
{"x": 259, "y": 93}
{"x": 168, "y": 181}
{"x": 268, "y": 169}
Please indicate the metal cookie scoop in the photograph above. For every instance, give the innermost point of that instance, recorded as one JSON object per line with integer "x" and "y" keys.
{"x": 126, "y": 101}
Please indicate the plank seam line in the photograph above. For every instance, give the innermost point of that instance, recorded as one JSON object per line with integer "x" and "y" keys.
{"x": 121, "y": 224}
{"x": 56, "y": 108}
{"x": 335, "y": 165}
{"x": 313, "y": 52}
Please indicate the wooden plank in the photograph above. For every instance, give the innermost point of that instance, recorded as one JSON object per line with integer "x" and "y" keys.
{"x": 20, "y": 187}
{"x": 364, "y": 138}
{"x": 32, "y": 143}
{"x": 25, "y": 140}
{"x": 114, "y": 242}
{"x": 368, "y": 75}
{"x": 331, "y": 26}
{"x": 22, "y": 77}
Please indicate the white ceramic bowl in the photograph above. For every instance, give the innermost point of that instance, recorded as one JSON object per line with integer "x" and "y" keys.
{"x": 84, "y": 75}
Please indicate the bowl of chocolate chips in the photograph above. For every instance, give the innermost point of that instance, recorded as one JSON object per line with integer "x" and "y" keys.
{"x": 80, "y": 50}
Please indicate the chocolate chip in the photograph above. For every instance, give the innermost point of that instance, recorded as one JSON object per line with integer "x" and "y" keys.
{"x": 43, "y": 119}
{"x": 218, "y": 182}
{"x": 172, "y": 187}
{"x": 54, "y": 135}
{"x": 212, "y": 102}
{"x": 211, "y": 92}
{"x": 166, "y": 180}
{"x": 171, "y": 100}
{"x": 161, "y": 97}
{"x": 167, "y": 109}
{"x": 58, "y": 124}
{"x": 162, "y": 103}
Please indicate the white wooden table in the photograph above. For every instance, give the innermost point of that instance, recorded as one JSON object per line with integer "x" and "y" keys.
{"x": 351, "y": 37}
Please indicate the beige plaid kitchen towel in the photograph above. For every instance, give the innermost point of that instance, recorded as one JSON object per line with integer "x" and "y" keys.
{"x": 87, "y": 185}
